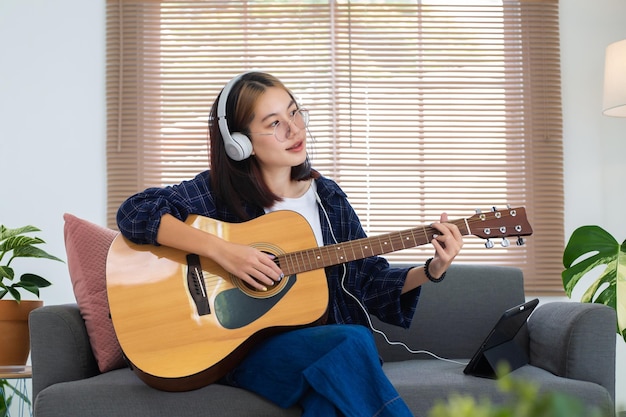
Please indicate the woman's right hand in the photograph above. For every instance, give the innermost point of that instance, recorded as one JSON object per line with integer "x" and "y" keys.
{"x": 256, "y": 268}
{"x": 252, "y": 266}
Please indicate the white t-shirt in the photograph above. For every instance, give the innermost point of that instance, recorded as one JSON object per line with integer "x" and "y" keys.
{"x": 306, "y": 205}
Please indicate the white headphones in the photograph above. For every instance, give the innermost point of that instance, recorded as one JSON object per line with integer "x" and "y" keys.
{"x": 238, "y": 145}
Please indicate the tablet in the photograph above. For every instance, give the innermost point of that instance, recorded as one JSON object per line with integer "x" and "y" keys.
{"x": 500, "y": 345}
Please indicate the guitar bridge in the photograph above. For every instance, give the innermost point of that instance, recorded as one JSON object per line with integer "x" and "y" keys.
{"x": 195, "y": 282}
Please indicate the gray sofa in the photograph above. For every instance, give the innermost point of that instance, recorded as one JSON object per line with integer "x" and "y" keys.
{"x": 571, "y": 348}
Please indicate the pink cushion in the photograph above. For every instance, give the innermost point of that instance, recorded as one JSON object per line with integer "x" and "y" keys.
{"x": 87, "y": 246}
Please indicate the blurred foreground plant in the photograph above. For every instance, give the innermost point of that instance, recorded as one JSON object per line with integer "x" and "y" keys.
{"x": 524, "y": 399}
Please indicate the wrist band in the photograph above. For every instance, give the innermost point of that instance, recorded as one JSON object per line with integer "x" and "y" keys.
{"x": 427, "y": 272}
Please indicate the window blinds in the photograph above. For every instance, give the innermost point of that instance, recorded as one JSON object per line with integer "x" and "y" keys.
{"x": 416, "y": 107}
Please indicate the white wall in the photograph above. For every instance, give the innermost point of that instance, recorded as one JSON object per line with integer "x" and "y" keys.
{"x": 594, "y": 145}
{"x": 52, "y": 123}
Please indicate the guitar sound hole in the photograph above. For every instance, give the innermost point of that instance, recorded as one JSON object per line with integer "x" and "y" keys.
{"x": 272, "y": 290}
{"x": 251, "y": 288}
{"x": 270, "y": 250}
{"x": 256, "y": 293}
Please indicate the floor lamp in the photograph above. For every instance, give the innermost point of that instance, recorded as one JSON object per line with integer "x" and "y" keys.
{"x": 615, "y": 80}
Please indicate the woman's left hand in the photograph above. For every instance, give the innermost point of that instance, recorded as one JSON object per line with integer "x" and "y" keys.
{"x": 448, "y": 243}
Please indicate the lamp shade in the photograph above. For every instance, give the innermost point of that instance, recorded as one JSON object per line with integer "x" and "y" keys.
{"x": 615, "y": 80}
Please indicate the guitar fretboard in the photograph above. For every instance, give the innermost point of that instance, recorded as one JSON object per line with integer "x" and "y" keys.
{"x": 317, "y": 258}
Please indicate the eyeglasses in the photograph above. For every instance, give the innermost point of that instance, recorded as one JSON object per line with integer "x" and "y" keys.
{"x": 282, "y": 130}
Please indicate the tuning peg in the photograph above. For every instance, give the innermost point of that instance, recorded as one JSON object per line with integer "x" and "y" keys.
{"x": 520, "y": 241}
{"x": 505, "y": 243}
{"x": 494, "y": 209}
{"x": 478, "y": 211}
{"x": 489, "y": 244}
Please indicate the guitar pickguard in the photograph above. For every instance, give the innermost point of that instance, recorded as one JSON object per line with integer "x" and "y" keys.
{"x": 235, "y": 309}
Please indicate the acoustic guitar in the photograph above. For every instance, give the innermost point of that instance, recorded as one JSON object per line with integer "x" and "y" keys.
{"x": 183, "y": 322}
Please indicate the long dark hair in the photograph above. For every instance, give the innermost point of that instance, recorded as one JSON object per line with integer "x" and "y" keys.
{"x": 236, "y": 183}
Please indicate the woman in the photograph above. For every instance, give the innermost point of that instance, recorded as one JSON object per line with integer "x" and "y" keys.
{"x": 259, "y": 164}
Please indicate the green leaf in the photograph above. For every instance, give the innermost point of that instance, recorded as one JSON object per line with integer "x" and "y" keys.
{"x": 29, "y": 288}
{"x": 14, "y": 293}
{"x": 600, "y": 248}
{"x": 587, "y": 239}
{"x": 34, "y": 280}
{"x": 33, "y": 252}
{"x": 7, "y": 233}
{"x": 6, "y": 272}
{"x": 590, "y": 247}
{"x": 16, "y": 242}
{"x": 32, "y": 283}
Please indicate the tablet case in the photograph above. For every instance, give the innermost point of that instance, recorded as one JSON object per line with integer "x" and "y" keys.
{"x": 500, "y": 344}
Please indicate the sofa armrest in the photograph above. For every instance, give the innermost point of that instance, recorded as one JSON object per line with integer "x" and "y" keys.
{"x": 575, "y": 340}
{"x": 60, "y": 348}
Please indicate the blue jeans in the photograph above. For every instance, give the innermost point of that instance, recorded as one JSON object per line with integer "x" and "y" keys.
{"x": 331, "y": 370}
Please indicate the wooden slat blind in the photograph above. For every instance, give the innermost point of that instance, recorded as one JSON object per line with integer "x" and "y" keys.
{"x": 416, "y": 107}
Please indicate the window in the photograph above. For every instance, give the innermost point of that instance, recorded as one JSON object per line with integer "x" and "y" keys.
{"x": 416, "y": 107}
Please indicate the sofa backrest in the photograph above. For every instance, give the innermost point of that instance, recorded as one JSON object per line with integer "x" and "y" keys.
{"x": 454, "y": 316}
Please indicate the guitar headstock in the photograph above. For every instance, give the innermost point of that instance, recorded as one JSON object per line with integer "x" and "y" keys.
{"x": 500, "y": 224}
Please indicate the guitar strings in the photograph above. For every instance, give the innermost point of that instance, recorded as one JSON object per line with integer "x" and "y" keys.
{"x": 364, "y": 309}
{"x": 395, "y": 241}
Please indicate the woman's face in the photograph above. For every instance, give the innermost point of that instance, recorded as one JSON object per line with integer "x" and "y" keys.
{"x": 273, "y": 107}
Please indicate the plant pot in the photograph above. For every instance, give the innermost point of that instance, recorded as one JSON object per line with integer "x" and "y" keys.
{"x": 14, "y": 336}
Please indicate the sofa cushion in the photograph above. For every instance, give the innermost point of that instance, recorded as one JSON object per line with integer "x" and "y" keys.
{"x": 87, "y": 246}
{"x": 121, "y": 394}
{"x": 422, "y": 383}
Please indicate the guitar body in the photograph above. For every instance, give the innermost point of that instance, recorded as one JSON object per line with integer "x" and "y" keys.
{"x": 183, "y": 322}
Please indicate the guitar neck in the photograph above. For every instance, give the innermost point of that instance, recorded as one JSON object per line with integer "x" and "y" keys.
{"x": 321, "y": 257}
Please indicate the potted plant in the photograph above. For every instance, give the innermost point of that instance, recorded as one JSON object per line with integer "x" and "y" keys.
{"x": 21, "y": 246}
{"x": 14, "y": 337}
{"x": 590, "y": 247}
